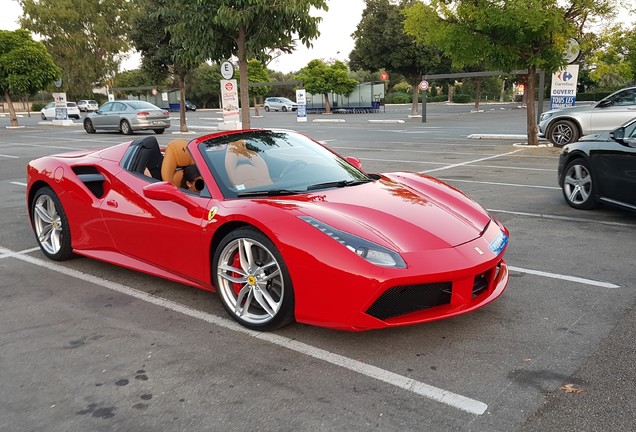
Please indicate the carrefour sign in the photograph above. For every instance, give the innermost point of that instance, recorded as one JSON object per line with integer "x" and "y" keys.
{"x": 563, "y": 93}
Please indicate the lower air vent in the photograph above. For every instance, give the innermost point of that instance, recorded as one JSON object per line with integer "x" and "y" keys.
{"x": 401, "y": 300}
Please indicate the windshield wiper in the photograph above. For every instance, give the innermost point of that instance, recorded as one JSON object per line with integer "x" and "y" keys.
{"x": 272, "y": 192}
{"x": 339, "y": 184}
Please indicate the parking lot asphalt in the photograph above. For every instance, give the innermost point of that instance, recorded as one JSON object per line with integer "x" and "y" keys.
{"x": 89, "y": 346}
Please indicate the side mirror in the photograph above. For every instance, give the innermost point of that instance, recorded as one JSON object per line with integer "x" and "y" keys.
{"x": 605, "y": 103}
{"x": 166, "y": 191}
{"x": 617, "y": 134}
{"x": 354, "y": 161}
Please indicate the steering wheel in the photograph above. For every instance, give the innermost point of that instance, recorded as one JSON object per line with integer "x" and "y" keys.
{"x": 292, "y": 166}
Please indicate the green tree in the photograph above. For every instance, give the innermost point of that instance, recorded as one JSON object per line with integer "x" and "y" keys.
{"x": 382, "y": 44}
{"x": 25, "y": 67}
{"x": 206, "y": 83}
{"x": 133, "y": 78}
{"x": 257, "y": 73}
{"x": 85, "y": 37}
{"x": 219, "y": 29}
{"x": 161, "y": 56}
{"x": 515, "y": 34}
{"x": 610, "y": 60}
{"x": 319, "y": 78}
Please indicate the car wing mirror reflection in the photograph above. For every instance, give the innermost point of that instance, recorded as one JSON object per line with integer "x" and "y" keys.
{"x": 354, "y": 161}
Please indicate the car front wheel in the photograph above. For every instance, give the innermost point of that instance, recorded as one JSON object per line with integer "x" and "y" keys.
{"x": 50, "y": 225}
{"x": 578, "y": 186}
{"x": 43, "y": 116}
{"x": 284, "y": 109}
{"x": 252, "y": 280}
{"x": 88, "y": 126}
{"x": 266, "y": 108}
{"x": 563, "y": 132}
{"x": 125, "y": 128}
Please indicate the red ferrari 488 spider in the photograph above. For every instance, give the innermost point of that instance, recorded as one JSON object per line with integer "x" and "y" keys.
{"x": 279, "y": 225}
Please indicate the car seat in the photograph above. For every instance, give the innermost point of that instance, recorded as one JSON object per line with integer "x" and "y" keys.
{"x": 245, "y": 167}
{"x": 144, "y": 155}
{"x": 175, "y": 159}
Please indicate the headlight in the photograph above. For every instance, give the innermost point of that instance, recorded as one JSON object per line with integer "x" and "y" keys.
{"x": 372, "y": 252}
{"x": 545, "y": 116}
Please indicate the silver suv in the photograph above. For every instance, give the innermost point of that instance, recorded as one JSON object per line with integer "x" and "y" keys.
{"x": 564, "y": 126}
{"x": 279, "y": 104}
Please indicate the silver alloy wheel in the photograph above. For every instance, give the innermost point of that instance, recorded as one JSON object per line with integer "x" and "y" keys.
{"x": 48, "y": 224}
{"x": 577, "y": 184}
{"x": 250, "y": 280}
{"x": 563, "y": 132}
{"x": 125, "y": 128}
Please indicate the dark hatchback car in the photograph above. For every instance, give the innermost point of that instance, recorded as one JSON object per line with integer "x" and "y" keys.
{"x": 601, "y": 168}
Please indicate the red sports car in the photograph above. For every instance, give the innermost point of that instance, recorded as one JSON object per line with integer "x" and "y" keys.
{"x": 280, "y": 226}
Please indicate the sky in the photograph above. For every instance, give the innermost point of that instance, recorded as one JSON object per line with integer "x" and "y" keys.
{"x": 335, "y": 40}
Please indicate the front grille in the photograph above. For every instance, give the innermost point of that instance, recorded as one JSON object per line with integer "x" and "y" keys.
{"x": 405, "y": 299}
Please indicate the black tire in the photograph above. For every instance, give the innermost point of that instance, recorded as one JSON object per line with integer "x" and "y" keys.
{"x": 43, "y": 116}
{"x": 50, "y": 225}
{"x": 262, "y": 298}
{"x": 284, "y": 109}
{"x": 88, "y": 126}
{"x": 266, "y": 108}
{"x": 579, "y": 188}
{"x": 125, "y": 128}
{"x": 563, "y": 132}
{"x": 159, "y": 131}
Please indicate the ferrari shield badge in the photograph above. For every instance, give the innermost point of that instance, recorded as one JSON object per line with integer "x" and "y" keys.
{"x": 212, "y": 213}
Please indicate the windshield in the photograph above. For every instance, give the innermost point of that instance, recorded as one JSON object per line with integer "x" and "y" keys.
{"x": 275, "y": 163}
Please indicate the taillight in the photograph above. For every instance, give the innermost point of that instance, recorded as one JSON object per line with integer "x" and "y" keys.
{"x": 166, "y": 113}
{"x": 143, "y": 114}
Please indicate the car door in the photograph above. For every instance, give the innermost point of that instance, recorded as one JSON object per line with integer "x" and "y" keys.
{"x": 615, "y": 168}
{"x": 100, "y": 118}
{"x": 622, "y": 109}
{"x": 157, "y": 232}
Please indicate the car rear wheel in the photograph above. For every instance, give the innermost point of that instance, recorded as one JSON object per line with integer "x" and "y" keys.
{"x": 252, "y": 280}
{"x": 88, "y": 126}
{"x": 563, "y": 132}
{"x": 578, "y": 186}
{"x": 50, "y": 225}
{"x": 125, "y": 128}
{"x": 159, "y": 131}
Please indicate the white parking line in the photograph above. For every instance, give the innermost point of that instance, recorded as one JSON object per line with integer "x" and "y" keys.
{"x": 9, "y": 156}
{"x": 472, "y": 161}
{"x": 460, "y": 402}
{"x": 494, "y": 183}
{"x": 564, "y": 277}
{"x": 564, "y": 218}
{"x": 18, "y": 183}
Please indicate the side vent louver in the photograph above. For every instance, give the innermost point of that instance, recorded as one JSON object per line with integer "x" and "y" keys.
{"x": 92, "y": 179}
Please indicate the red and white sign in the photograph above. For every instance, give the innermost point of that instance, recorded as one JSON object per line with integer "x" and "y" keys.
{"x": 230, "y": 101}
{"x": 423, "y": 85}
{"x": 384, "y": 76}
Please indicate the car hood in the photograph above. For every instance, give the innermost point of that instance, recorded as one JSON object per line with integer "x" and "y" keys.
{"x": 603, "y": 136}
{"x": 571, "y": 110}
{"x": 403, "y": 211}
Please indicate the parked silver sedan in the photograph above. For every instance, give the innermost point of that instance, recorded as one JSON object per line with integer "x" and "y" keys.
{"x": 127, "y": 116}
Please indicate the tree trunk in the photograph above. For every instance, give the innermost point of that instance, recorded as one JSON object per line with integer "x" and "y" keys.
{"x": 327, "y": 105}
{"x": 414, "y": 88}
{"x": 502, "y": 95}
{"x": 256, "y": 112}
{"x": 531, "y": 106}
{"x": 12, "y": 115}
{"x": 242, "y": 60}
{"x": 478, "y": 93}
{"x": 183, "y": 127}
{"x": 451, "y": 92}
